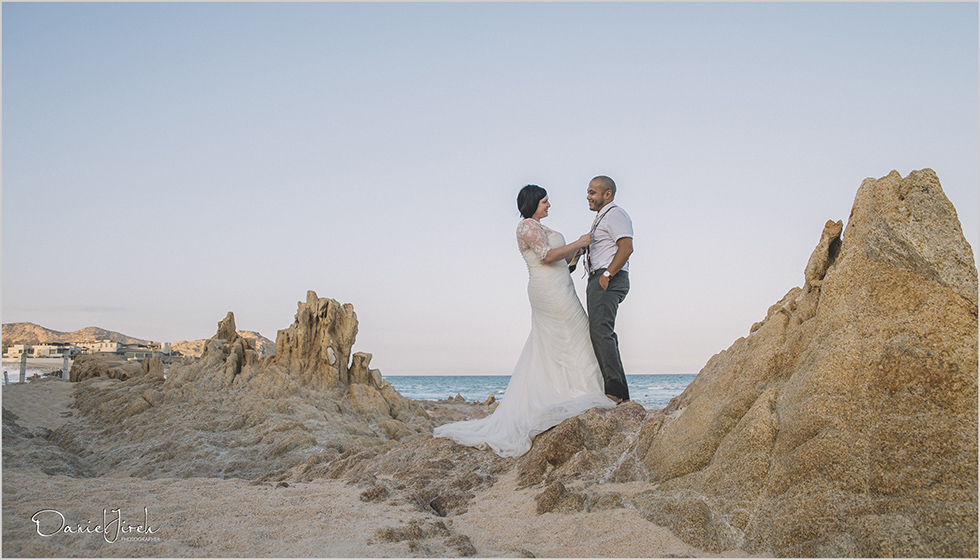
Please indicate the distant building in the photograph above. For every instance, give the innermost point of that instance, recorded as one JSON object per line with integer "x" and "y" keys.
{"x": 139, "y": 352}
{"x": 127, "y": 351}
{"x": 101, "y": 346}
{"x": 42, "y": 351}
{"x": 17, "y": 350}
{"x": 54, "y": 350}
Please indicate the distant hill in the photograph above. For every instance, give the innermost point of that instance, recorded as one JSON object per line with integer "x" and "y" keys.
{"x": 263, "y": 345}
{"x": 29, "y": 333}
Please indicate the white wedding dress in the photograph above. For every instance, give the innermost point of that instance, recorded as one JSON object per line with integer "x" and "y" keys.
{"x": 557, "y": 376}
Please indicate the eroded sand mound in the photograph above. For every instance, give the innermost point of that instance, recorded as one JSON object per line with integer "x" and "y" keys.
{"x": 88, "y": 366}
{"x": 234, "y": 414}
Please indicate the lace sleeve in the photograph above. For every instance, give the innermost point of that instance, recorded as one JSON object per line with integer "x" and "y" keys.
{"x": 531, "y": 234}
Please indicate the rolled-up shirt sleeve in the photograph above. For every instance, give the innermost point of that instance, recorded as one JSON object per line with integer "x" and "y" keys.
{"x": 618, "y": 224}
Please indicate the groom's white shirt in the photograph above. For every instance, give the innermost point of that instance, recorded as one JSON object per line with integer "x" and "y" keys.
{"x": 614, "y": 224}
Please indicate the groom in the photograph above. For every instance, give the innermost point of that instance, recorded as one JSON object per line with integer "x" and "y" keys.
{"x": 607, "y": 262}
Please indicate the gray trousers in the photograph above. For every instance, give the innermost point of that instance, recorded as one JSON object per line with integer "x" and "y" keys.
{"x": 603, "y": 306}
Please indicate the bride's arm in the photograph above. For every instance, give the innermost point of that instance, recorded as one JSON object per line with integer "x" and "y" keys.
{"x": 532, "y": 233}
{"x": 568, "y": 251}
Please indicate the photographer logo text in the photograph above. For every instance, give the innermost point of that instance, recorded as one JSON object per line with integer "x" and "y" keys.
{"x": 51, "y": 522}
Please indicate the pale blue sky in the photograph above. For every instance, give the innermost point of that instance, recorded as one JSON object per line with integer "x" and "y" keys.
{"x": 166, "y": 163}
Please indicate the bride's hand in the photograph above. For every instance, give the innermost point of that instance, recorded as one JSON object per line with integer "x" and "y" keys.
{"x": 585, "y": 240}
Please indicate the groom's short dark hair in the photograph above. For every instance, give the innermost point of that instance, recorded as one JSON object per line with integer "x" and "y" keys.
{"x": 607, "y": 183}
{"x": 528, "y": 199}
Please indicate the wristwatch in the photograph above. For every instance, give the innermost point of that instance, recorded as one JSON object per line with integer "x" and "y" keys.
{"x": 606, "y": 274}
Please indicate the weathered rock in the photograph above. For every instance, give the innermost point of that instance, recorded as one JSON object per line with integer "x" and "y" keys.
{"x": 88, "y": 366}
{"x": 688, "y": 516}
{"x": 316, "y": 348}
{"x": 460, "y": 546}
{"x": 593, "y": 446}
{"x": 227, "y": 360}
{"x": 415, "y": 531}
{"x": 30, "y": 448}
{"x": 195, "y": 348}
{"x": 909, "y": 225}
{"x": 361, "y": 372}
{"x": 603, "y": 501}
{"x": 226, "y": 329}
{"x": 235, "y": 414}
{"x": 152, "y": 366}
{"x": 435, "y": 475}
{"x": 374, "y": 494}
{"x": 557, "y": 498}
{"x": 429, "y": 540}
{"x": 846, "y": 423}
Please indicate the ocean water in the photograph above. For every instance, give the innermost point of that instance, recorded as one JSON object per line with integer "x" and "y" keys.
{"x": 35, "y": 368}
{"x": 653, "y": 391}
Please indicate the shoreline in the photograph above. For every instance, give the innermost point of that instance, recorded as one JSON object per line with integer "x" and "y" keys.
{"x": 36, "y": 368}
{"x": 652, "y": 391}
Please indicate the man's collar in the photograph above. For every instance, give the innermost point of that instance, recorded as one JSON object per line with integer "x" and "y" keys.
{"x": 606, "y": 207}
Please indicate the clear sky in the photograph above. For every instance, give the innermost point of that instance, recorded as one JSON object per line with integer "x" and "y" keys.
{"x": 165, "y": 163}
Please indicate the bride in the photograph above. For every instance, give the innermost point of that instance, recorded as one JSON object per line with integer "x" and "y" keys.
{"x": 557, "y": 376}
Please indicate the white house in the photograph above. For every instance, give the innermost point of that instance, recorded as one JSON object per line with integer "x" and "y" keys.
{"x": 106, "y": 346}
{"x": 50, "y": 351}
{"x": 17, "y": 350}
{"x": 41, "y": 351}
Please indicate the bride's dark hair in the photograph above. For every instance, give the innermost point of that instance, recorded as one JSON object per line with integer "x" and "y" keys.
{"x": 528, "y": 199}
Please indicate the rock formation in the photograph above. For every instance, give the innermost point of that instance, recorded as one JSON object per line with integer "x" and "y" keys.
{"x": 434, "y": 475}
{"x": 845, "y": 424}
{"x": 29, "y": 448}
{"x": 88, "y": 366}
{"x": 194, "y": 348}
{"x": 235, "y": 414}
{"x": 316, "y": 348}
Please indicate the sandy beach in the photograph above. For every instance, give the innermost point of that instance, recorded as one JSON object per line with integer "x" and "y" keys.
{"x": 206, "y": 517}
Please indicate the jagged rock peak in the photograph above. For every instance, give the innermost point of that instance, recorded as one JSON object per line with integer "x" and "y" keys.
{"x": 823, "y": 255}
{"x": 227, "y": 340}
{"x": 264, "y": 414}
{"x": 317, "y": 346}
{"x": 848, "y": 418}
{"x": 226, "y": 328}
{"x": 910, "y": 224}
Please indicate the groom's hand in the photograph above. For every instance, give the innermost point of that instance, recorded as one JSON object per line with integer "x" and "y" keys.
{"x": 604, "y": 282}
